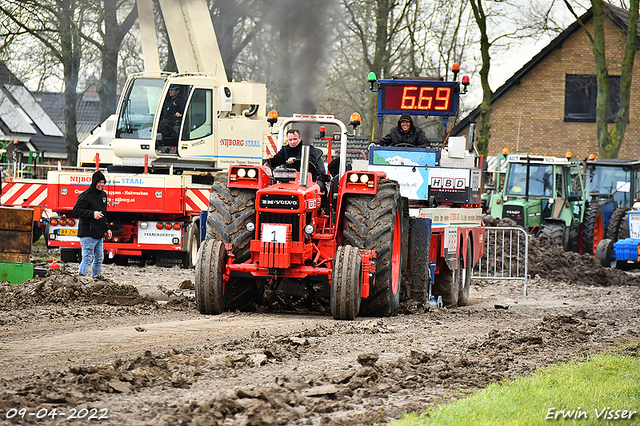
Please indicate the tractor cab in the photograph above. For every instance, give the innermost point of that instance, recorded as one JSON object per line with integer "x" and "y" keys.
{"x": 612, "y": 186}
{"x": 543, "y": 194}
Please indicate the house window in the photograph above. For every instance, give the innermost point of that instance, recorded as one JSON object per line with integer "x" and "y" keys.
{"x": 580, "y": 98}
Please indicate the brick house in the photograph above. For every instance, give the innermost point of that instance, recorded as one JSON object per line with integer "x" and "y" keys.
{"x": 548, "y": 106}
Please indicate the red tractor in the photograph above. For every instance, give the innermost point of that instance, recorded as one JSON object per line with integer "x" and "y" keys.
{"x": 266, "y": 225}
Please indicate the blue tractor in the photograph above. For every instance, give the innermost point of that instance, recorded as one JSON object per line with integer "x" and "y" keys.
{"x": 611, "y": 186}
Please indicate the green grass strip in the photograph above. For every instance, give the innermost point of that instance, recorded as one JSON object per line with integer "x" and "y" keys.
{"x": 602, "y": 389}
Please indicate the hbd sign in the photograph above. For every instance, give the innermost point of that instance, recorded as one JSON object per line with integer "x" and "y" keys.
{"x": 450, "y": 183}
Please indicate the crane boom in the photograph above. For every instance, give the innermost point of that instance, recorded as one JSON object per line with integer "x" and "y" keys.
{"x": 192, "y": 37}
{"x": 148, "y": 37}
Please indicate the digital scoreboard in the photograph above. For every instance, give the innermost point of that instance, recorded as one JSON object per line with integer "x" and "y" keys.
{"x": 418, "y": 97}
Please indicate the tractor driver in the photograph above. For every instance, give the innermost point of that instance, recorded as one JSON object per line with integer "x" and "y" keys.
{"x": 171, "y": 115}
{"x": 293, "y": 151}
{"x": 405, "y": 133}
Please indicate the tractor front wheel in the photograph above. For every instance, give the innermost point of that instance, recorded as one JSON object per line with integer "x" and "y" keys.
{"x": 346, "y": 282}
{"x": 555, "y": 231}
{"x": 210, "y": 286}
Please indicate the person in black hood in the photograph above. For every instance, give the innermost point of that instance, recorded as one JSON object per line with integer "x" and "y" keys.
{"x": 91, "y": 209}
{"x": 293, "y": 151}
{"x": 405, "y": 133}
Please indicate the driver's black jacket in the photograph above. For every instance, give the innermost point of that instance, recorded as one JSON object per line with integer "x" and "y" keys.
{"x": 315, "y": 158}
{"x": 415, "y": 135}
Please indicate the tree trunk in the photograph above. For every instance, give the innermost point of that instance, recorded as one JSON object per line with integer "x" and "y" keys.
{"x": 113, "y": 36}
{"x": 619, "y": 127}
{"x": 70, "y": 54}
{"x": 484, "y": 128}
{"x": 602, "y": 79}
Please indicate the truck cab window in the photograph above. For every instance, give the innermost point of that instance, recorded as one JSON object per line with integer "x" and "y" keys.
{"x": 199, "y": 118}
{"x": 137, "y": 113}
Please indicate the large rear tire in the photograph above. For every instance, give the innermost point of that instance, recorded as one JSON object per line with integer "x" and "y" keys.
{"x": 623, "y": 231}
{"x": 374, "y": 222}
{"x": 593, "y": 229}
{"x": 229, "y": 211}
{"x": 613, "y": 230}
{"x": 346, "y": 282}
{"x": 466, "y": 271}
{"x": 209, "y": 285}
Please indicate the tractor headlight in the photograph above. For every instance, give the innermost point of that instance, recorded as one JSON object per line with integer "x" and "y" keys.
{"x": 308, "y": 229}
{"x": 353, "y": 178}
{"x": 252, "y": 173}
{"x": 250, "y": 226}
{"x": 364, "y": 178}
{"x": 242, "y": 173}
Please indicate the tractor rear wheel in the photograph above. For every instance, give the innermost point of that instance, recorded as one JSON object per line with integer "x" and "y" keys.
{"x": 374, "y": 222}
{"x": 229, "y": 211}
{"x": 623, "y": 231}
{"x": 465, "y": 271}
{"x": 210, "y": 286}
{"x": 593, "y": 229}
{"x": 447, "y": 285}
{"x": 613, "y": 230}
{"x": 555, "y": 231}
{"x": 571, "y": 238}
{"x": 346, "y": 282}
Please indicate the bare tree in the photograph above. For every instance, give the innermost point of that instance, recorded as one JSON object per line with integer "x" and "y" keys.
{"x": 57, "y": 25}
{"x": 610, "y": 140}
{"x": 237, "y": 23}
{"x": 502, "y": 26}
{"x": 376, "y": 24}
{"x": 109, "y": 35}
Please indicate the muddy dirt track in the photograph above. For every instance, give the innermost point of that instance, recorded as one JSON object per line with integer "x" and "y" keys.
{"x": 131, "y": 347}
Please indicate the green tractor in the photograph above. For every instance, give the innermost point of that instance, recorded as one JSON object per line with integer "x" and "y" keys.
{"x": 543, "y": 195}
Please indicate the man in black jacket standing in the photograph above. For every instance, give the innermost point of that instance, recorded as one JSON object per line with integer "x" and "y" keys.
{"x": 91, "y": 209}
{"x": 405, "y": 133}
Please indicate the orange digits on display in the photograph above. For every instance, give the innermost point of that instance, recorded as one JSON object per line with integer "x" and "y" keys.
{"x": 425, "y": 98}
{"x": 406, "y": 96}
{"x": 443, "y": 97}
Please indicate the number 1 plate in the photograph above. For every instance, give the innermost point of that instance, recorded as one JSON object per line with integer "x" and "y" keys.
{"x": 274, "y": 233}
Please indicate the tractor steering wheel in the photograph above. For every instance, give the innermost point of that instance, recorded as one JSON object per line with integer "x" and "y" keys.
{"x": 297, "y": 164}
{"x": 404, "y": 145}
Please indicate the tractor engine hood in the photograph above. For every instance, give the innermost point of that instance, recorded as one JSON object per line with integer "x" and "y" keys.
{"x": 288, "y": 198}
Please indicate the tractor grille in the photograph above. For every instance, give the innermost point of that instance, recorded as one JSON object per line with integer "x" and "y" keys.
{"x": 515, "y": 213}
{"x": 276, "y": 201}
{"x": 293, "y": 219}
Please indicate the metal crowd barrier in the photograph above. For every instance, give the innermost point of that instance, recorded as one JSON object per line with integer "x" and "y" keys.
{"x": 506, "y": 255}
